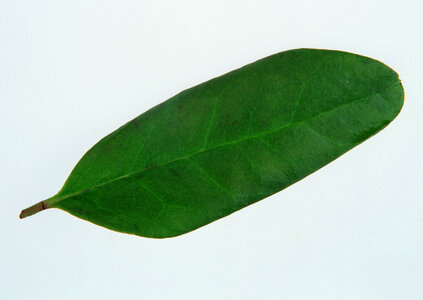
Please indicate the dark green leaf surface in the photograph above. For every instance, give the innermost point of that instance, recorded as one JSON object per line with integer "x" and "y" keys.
{"x": 229, "y": 142}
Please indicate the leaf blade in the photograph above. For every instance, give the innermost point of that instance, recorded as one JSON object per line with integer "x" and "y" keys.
{"x": 240, "y": 138}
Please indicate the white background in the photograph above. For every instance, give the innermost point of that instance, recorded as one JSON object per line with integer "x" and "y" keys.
{"x": 73, "y": 71}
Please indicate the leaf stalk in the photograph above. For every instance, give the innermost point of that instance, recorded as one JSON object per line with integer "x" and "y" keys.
{"x": 32, "y": 210}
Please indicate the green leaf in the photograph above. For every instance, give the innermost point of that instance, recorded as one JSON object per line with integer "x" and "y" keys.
{"x": 229, "y": 142}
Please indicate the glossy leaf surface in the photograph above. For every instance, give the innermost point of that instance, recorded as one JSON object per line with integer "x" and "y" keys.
{"x": 229, "y": 142}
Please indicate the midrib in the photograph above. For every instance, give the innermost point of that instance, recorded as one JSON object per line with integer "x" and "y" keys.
{"x": 55, "y": 199}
